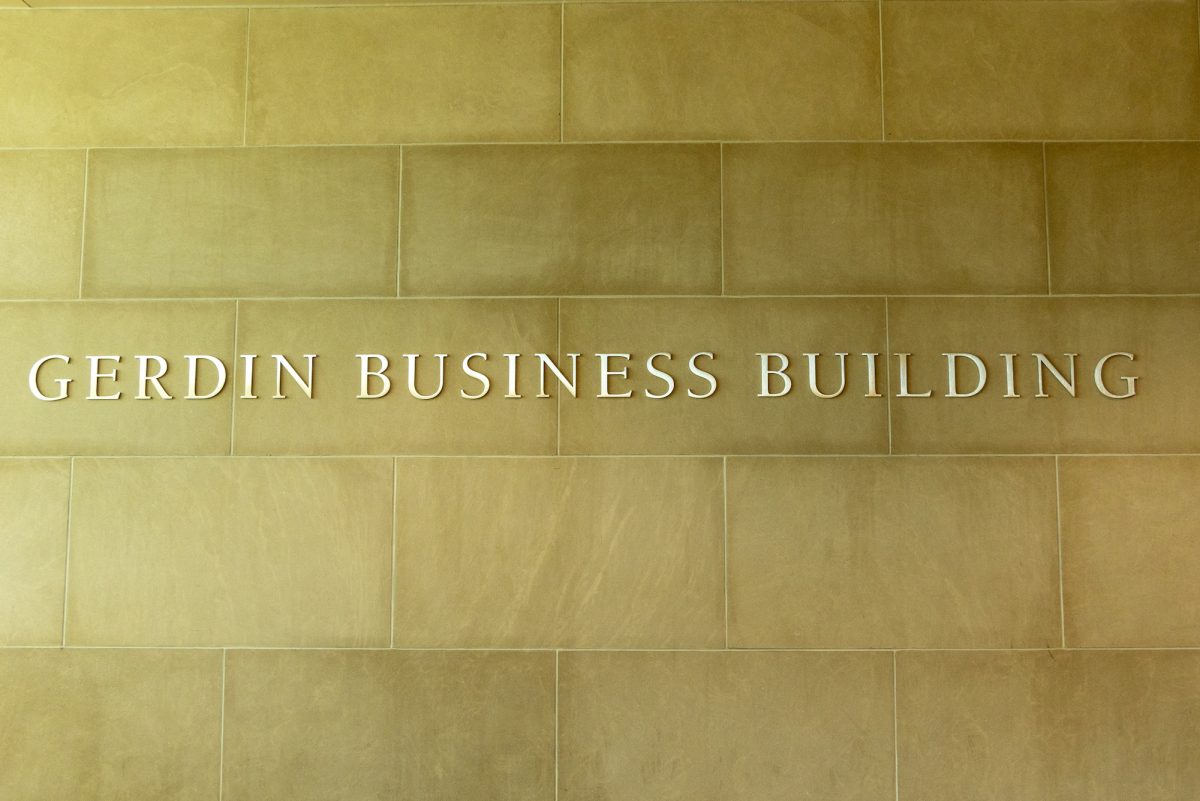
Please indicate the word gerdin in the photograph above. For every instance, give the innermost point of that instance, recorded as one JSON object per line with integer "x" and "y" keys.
{"x": 616, "y": 375}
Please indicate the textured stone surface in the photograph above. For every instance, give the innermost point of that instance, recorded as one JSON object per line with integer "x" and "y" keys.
{"x": 101, "y": 724}
{"x": 1005, "y": 69}
{"x": 33, "y": 537}
{"x": 230, "y": 552}
{"x": 120, "y": 78}
{"x": 1048, "y": 726}
{"x": 1131, "y": 551}
{"x": 573, "y": 552}
{"x": 635, "y": 71}
{"x": 903, "y": 552}
{"x": 309, "y": 725}
{"x": 229, "y": 222}
{"x": 732, "y": 725}
{"x": 538, "y": 220}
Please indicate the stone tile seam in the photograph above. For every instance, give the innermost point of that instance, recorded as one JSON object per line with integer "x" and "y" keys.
{"x": 630, "y": 142}
{"x": 279, "y": 299}
{"x": 725, "y": 539}
{"x": 303, "y": 6}
{"x": 221, "y": 748}
{"x": 721, "y": 201}
{"x": 557, "y": 686}
{"x": 67, "y": 551}
{"x": 399, "y": 222}
{"x": 562, "y": 72}
{"x": 246, "y": 83}
{"x": 237, "y": 309}
{"x": 695, "y": 456}
{"x": 570, "y": 650}
{"x": 896, "y": 723}
{"x": 882, "y": 95}
{"x": 87, "y": 158}
{"x": 1062, "y": 607}
{"x": 395, "y": 506}
{"x": 1046, "y": 218}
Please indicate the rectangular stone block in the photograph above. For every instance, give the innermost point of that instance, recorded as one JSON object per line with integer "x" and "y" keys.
{"x": 41, "y": 212}
{"x": 34, "y": 494}
{"x": 1006, "y": 69}
{"x": 570, "y": 552}
{"x": 336, "y": 421}
{"x": 255, "y": 221}
{"x": 99, "y": 724}
{"x": 905, "y": 552}
{"x": 123, "y": 78}
{"x": 1124, "y": 218}
{"x": 230, "y": 552}
{"x": 732, "y": 419}
{"x": 1131, "y": 551}
{"x": 444, "y": 726}
{"x": 552, "y": 220}
{"x": 637, "y": 71}
{"x": 894, "y": 219}
{"x": 30, "y": 332}
{"x": 1161, "y": 417}
{"x": 1048, "y": 725}
{"x": 732, "y": 725}
{"x": 455, "y": 73}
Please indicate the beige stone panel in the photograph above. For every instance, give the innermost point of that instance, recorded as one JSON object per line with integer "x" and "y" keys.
{"x": 553, "y": 219}
{"x": 93, "y": 725}
{"x": 335, "y": 421}
{"x": 257, "y": 221}
{"x": 904, "y": 552}
{"x": 33, "y": 539}
{"x": 279, "y": 552}
{"x": 1161, "y": 333}
{"x": 1049, "y": 725}
{"x": 41, "y": 211}
{"x": 635, "y": 71}
{"x": 125, "y": 426}
{"x": 123, "y": 77}
{"x": 570, "y": 552}
{"x": 1009, "y": 69}
{"x": 884, "y": 219}
{"x": 1124, "y": 217}
{"x": 725, "y": 725}
{"x": 467, "y": 73}
{"x": 733, "y": 419}
{"x": 1131, "y": 551}
{"x": 444, "y": 726}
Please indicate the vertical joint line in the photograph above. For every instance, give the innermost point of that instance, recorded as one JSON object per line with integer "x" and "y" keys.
{"x": 221, "y": 757}
{"x": 887, "y": 355}
{"x": 725, "y": 518}
{"x": 87, "y": 165}
{"x": 392, "y": 614}
{"x": 246, "y": 84}
{"x": 556, "y": 681}
{"x": 882, "y": 112}
{"x": 399, "y": 217}
{"x": 237, "y": 311}
{"x": 67, "y": 553}
{"x": 721, "y": 176}
{"x": 562, "y": 71}
{"x": 1062, "y": 609}
{"x": 558, "y": 391}
{"x": 895, "y": 726}
{"x": 1046, "y": 217}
